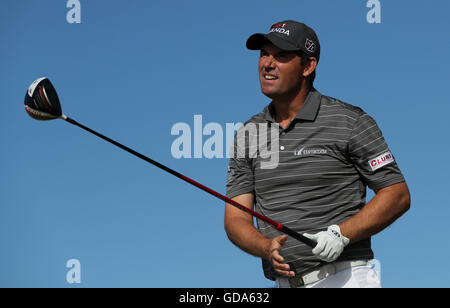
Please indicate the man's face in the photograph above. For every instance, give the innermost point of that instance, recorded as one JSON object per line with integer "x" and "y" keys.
{"x": 280, "y": 72}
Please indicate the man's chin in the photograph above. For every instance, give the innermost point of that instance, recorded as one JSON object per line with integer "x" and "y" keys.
{"x": 270, "y": 94}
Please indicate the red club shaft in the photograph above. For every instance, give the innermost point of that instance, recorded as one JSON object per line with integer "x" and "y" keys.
{"x": 277, "y": 225}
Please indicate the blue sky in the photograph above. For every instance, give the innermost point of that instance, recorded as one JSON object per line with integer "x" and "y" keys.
{"x": 133, "y": 69}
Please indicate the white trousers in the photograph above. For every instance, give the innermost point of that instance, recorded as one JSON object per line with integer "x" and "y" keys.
{"x": 364, "y": 276}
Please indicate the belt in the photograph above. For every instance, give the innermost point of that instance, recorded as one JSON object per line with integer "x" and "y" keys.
{"x": 318, "y": 274}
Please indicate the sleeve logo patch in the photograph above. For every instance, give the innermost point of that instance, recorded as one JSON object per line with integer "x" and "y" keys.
{"x": 380, "y": 161}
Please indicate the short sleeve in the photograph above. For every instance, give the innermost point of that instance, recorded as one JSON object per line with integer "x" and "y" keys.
{"x": 371, "y": 155}
{"x": 240, "y": 177}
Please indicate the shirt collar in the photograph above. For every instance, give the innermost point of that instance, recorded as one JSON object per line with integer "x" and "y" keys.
{"x": 308, "y": 111}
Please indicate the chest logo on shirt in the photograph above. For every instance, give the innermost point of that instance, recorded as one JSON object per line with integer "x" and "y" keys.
{"x": 309, "y": 151}
{"x": 380, "y": 161}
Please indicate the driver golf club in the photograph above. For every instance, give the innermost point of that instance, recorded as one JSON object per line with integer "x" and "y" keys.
{"x": 42, "y": 103}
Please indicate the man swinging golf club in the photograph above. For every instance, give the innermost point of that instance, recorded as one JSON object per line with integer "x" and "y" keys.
{"x": 329, "y": 152}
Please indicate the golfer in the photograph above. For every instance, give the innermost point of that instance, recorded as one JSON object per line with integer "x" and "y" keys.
{"x": 329, "y": 152}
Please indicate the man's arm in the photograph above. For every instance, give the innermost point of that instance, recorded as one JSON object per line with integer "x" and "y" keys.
{"x": 388, "y": 204}
{"x": 241, "y": 231}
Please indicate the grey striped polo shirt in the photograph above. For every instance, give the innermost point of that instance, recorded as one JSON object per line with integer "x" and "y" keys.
{"x": 327, "y": 156}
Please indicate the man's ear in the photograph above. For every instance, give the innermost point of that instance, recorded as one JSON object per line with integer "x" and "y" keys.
{"x": 310, "y": 66}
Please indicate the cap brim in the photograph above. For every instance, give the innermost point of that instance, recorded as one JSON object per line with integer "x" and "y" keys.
{"x": 257, "y": 40}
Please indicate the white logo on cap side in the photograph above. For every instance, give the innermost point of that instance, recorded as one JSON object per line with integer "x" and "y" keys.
{"x": 309, "y": 45}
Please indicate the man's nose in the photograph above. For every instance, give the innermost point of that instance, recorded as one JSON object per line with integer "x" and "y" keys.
{"x": 269, "y": 63}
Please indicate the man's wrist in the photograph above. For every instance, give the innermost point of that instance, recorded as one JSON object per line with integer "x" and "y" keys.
{"x": 344, "y": 231}
{"x": 267, "y": 249}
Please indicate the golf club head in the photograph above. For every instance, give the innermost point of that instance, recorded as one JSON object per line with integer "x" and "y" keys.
{"x": 41, "y": 100}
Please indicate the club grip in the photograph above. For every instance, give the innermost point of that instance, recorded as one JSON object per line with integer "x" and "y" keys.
{"x": 298, "y": 236}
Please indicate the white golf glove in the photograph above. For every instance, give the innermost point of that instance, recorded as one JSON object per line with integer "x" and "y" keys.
{"x": 330, "y": 243}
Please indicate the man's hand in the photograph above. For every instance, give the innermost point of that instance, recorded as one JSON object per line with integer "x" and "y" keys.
{"x": 330, "y": 243}
{"x": 275, "y": 257}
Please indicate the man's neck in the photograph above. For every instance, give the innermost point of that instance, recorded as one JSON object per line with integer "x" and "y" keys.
{"x": 287, "y": 108}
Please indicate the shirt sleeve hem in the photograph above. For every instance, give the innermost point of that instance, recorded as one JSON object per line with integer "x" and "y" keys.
{"x": 384, "y": 184}
{"x": 237, "y": 192}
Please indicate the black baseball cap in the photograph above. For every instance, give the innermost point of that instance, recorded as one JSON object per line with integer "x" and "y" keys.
{"x": 288, "y": 35}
